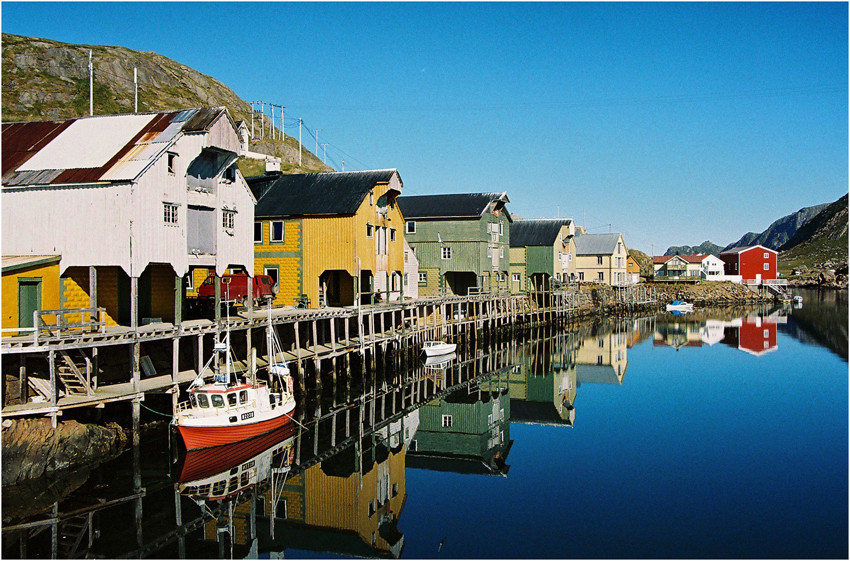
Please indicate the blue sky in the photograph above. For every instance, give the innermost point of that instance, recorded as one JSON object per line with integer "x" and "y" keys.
{"x": 672, "y": 123}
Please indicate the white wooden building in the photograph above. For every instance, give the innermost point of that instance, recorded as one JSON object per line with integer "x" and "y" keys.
{"x": 126, "y": 196}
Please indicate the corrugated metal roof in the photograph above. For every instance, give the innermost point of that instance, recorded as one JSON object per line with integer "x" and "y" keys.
{"x": 94, "y": 149}
{"x": 314, "y": 193}
{"x": 541, "y": 232}
{"x": 742, "y": 248}
{"x": 596, "y": 244}
{"x": 461, "y": 205}
{"x": 16, "y": 262}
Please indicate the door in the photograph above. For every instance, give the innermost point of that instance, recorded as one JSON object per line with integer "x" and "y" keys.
{"x": 29, "y": 300}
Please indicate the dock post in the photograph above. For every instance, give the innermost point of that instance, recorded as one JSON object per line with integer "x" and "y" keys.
{"x": 51, "y": 357}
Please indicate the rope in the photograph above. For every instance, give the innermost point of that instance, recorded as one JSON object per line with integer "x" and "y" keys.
{"x": 294, "y": 420}
{"x": 152, "y": 411}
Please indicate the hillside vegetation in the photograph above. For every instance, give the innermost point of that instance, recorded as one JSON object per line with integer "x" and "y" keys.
{"x": 705, "y": 247}
{"x": 821, "y": 243}
{"x": 45, "y": 79}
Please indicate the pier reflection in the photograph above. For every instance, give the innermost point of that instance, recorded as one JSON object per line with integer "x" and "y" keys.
{"x": 334, "y": 481}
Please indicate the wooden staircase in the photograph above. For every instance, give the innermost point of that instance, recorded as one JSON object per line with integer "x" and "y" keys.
{"x": 75, "y": 374}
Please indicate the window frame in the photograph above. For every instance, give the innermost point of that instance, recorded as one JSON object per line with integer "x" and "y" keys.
{"x": 445, "y": 253}
{"x": 170, "y": 210}
{"x": 228, "y": 219}
{"x": 282, "y": 231}
{"x": 410, "y": 227}
{"x": 258, "y": 241}
{"x": 423, "y": 277}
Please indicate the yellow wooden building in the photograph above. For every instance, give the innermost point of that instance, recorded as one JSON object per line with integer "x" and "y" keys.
{"x": 330, "y": 237}
{"x": 30, "y": 284}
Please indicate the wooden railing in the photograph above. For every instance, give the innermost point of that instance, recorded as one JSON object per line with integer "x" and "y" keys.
{"x": 61, "y": 326}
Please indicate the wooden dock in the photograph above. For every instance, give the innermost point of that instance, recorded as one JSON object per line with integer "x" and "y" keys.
{"x": 58, "y": 370}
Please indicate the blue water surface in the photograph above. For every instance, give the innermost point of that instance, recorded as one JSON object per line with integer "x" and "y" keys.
{"x": 701, "y": 452}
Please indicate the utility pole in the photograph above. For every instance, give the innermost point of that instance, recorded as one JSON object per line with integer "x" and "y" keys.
{"x": 299, "y": 141}
{"x": 324, "y": 151}
{"x": 91, "y": 86}
{"x": 271, "y": 126}
{"x": 343, "y": 164}
{"x": 262, "y": 119}
{"x": 282, "y": 130}
{"x": 252, "y": 118}
{"x": 135, "y": 90}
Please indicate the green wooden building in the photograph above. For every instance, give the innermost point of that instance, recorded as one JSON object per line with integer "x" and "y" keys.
{"x": 541, "y": 251}
{"x": 462, "y": 241}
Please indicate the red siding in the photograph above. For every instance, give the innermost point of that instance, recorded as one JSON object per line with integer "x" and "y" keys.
{"x": 750, "y": 263}
{"x": 757, "y": 336}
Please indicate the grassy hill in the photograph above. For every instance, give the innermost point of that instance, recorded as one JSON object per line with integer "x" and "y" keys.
{"x": 821, "y": 243}
{"x": 45, "y": 79}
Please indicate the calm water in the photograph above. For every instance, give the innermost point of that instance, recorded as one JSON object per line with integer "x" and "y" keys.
{"x": 720, "y": 434}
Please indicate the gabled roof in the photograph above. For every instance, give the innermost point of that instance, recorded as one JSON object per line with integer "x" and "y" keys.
{"x": 13, "y": 263}
{"x": 596, "y": 244}
{"x": 308, "y": 194}
{"x": 743, "y": 248}
{"x": 103, "y": 148}
{"x": 461, "y": 205}
{"x": 541, "y": 232}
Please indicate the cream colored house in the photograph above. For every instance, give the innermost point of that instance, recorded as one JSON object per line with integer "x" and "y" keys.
{"x": 601, "y": 258}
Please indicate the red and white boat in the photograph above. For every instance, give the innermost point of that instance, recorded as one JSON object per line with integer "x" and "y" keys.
{"x": 230, "y": 410}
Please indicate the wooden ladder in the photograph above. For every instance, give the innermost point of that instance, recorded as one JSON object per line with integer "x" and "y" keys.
{"x": 72, "y": 377}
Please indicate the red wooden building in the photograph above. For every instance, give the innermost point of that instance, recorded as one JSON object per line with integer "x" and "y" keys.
{"x": 755, "y": 336}
{"x": 754, "y": 263}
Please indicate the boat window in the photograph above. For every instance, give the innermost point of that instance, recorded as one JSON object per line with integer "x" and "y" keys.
{"x": 217, "y": 400}
{"x": 234, "y": 484}
{"x": 204, "y": 489}
{"x": 202, "y": 400}
{"x": 243, "y": 396}
{"x": 192, "y": 400}
{"x": 231, "y": 399}
{"x": 218, "y": 488}
{"x": 244, "y": 479}
{"x": 271, "y": 398}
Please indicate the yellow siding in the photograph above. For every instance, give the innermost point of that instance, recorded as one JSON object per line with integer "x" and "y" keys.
{"x": 107, "y": 292}
{"x": 329, "y": 245}
{"x": 75, "y": 291}
{"x": 49, "y": 275}
{"x": 162, "y": 292}
{"x": 432, "y": 288}
{"x": 289, "y": 266}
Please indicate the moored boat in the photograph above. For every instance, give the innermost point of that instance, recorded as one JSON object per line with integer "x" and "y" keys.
{"x": 436, "y": 348}
{"x": 680, "y": 306}
{"x": 230, "y": 410}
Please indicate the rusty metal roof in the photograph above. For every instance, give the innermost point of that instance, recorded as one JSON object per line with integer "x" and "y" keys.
{"x": 94, "y": 149}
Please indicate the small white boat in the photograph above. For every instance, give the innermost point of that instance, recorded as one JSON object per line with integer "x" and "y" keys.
{"x": 680, "y": 306}
{"x": 435, "y": 348}
{"x": 798, "y": 299}
{"x": 440, "y": 362}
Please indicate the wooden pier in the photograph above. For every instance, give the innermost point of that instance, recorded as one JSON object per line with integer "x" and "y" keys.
{"x": 55, "y": 370}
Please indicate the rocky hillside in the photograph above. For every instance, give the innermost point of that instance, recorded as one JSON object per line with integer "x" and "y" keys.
{"x": 45, "y": 79}
{"x": 822, "y": 241}
{"x": 643, "y": 260}
{"x": 705, "y": 247}
{"x": 781, "y": 230}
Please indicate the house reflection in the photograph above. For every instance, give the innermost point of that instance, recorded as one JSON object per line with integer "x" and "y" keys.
{"x": 602, "y": 356}
{"x": 465, "y": 431}
{"x": 754, "y": 334}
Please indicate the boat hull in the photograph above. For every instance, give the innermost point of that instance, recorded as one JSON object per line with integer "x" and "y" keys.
{"x": 440, "y": 350}
{"x": 197, "y": 437}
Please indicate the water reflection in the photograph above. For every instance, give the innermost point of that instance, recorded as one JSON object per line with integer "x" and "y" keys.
{"x": 335, "y": 482}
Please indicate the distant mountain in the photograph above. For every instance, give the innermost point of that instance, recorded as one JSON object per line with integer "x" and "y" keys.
{"x": 780, "y": 231}
{"x": 705, "y": 247}
{"x": 45, "y": 79}
{"x": 822, "y": 240}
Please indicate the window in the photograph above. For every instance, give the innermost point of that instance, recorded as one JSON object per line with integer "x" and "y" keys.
{"x": 501, "y": 229}
{"x": 766, "y": 255}
{"x": 371, "y": 198}
{"x": 231, "y": 399}
{"x": 276, "y": 231}
{"x": 581, "y": 275}
{"x": 500, "y": 277}
{"x": 392, "y": 234}
{"x": 258, "y": 232}
{"x": 598, "y": 360}
{"x": 230, "y": 174}
{"x": 446, "y": 252}
{"x": 369, "y": 230}
{"x": 600, "y": 276}
{"x": 217, "y": 400}
{"x": 515, "y": 277}
{"x": 243, "y": 396}
{"x": 598, "y": 259}
{"x": 767, "y": 266}
{"x": 169, "y": 213}
{"x": 489, "y": 251}
{"x": 766, "y": 333}
{"x": 395, "y": 489}
{"x": 447, "y": 420}
{"x": 202, "y": 400}
{"x": 501, "y": 252}
{"x": 172, "y": 159}
{"x": 272, "y": 272}
{"x": 228, "y": 217}
{"x": 423, "y": 277}
{"x": 410, "y": 227}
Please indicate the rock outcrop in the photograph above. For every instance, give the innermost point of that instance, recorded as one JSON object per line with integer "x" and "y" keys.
{"x": 32, "y": 448}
